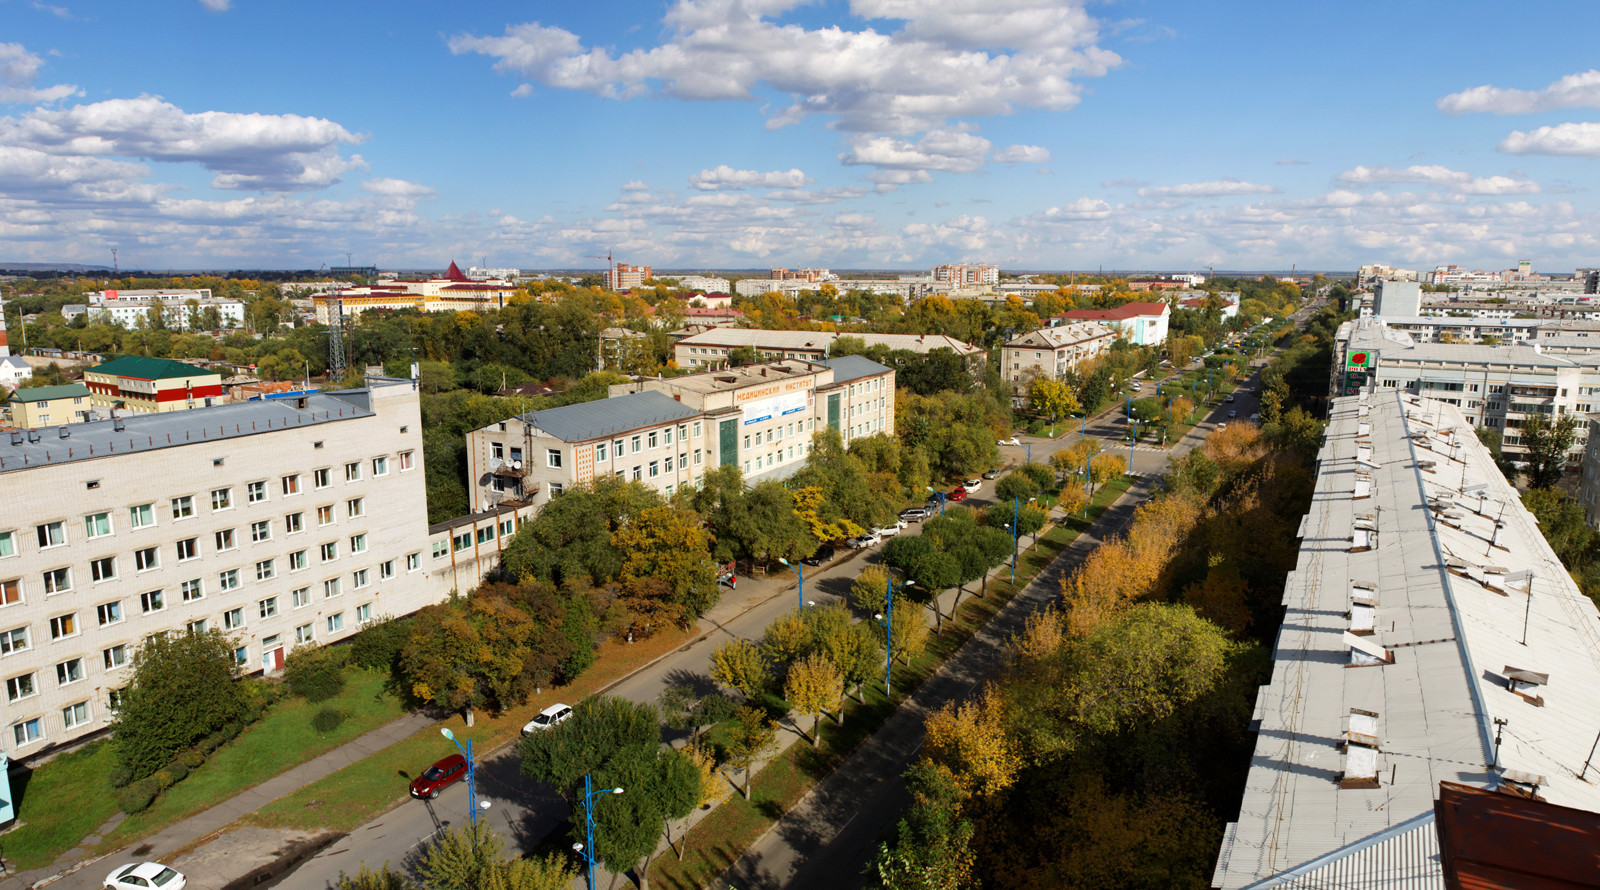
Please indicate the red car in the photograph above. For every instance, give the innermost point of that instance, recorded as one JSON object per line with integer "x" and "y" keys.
{"x": 957, "y": 494}
{"x": 438, "y": 777}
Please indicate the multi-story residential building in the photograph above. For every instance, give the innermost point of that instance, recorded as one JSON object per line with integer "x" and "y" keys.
{"x": 702, "y": 283}
{"x": 42, "y": 406}
{"x": 179, "y": 308}
{"x": 710, "y": 349}
{"x": 621, "y": 276}
{"x": 1589, "y": 487}
{"x": 143, "y": 385}
{"x": 1051, "y": 352}
{"x": 667, "y": 432}
{"x": 1375, "y": 271}
{"x": 1140, "y": 323}
{"x": 280, "y": 522}
{"x": 908, "y": 287}
{"x": 454, "y": 291}
{"x": 1397, "y": 298}
{"x": 801, "y": 275}
{"x": 1432, "y": 641}
{"x": 967, "y": 274}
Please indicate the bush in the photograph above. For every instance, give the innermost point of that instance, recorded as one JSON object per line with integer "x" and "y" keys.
{"x": 120, "y": 776}
{"x": 137, "y": 796}
{"x": 184, "y": 686}
{"x": 327, "y": 720}
{"x": 191, "y": 759}
{"x": 316, "y": 673}
{"x": 163, "y": 779}
{"x": 230, "y": 730}
{"x": 210, "y": 743}
{"x": 377, "y": 647}
{"x": 177, "y": 769}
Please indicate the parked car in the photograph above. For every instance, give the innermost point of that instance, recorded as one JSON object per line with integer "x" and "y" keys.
{"x": 992, "y": 474}
{"x": 866, "y": 540}
{"x": 823, "y": 554}
{"x": 547, "y": 718}
{"x": 1011, "y": 441}
{"x": 972, "y": 485}
{"x": 914, "y": 514}
{"x": 1229, "y": 398}
{"x": 1232, "y": 414}
{"x": 1222, "y": 425}
{"x": 438, "y": 777}
{"x": 887, "y": 530}
{"x": 957, "y": 494}
{"x": 871, "y": 538}
{"x": 145, "y": 875}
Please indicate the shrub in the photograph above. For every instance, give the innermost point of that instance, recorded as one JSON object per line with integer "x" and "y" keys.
{"x": 210, "y": 743}
{"x": 316, "y": 673}
{"x": 177, "y": 769}
{"x": 163, "y": 779}
{"x": 327, "y": 720}
{"x": 137, "y": 796}
{"x": 120, "y": 776}
{"x": 230, "y": 730}
{"x": 183, "y": 688}
{"x": 377, "y": 647}
{"x": 192, "y": 759}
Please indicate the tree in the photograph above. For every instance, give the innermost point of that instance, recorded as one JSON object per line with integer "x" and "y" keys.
{"x": 973, "y": 565}
{"x": 462, "y": 857}
{"x": 183, "y": 689}
{"x": 933, "y": 846}
{"x": 1051, "y": 398}
{"x": 683, "y": 707}
{"x": 870, "y": 589}
{"x": 1030, "y": 520}
{"x": 787, "y": 638}
{"x": 739, "y": 664}
{"x": 934, "y": 573}
{"x": 814, "y": 686}
{"x": 748, "y": 740}
{"x": 316, "y": 673}
{"x": 1015, "y": 486}
{"x": 670, "y": 546}
{"x": 857, "y": 654}
{"x": 440, "y": 662}
{"x": 659, "y": 785}
{"x": 600, "y": 727}
{"x": 384, "y": 878}
{"x": 969, "y": 740}
{"x": 1073, "y": 497}
{"x": 902, "y": 552}
{"x": 1547, "y": 443}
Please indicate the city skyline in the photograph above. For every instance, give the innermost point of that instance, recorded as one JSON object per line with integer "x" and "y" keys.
{"x": 728, "y": 134}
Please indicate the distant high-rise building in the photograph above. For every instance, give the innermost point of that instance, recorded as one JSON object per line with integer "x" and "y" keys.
{"x": 1398, "y": 298}
{"x": 967, "y": 274}
{"x": 622, "y": 276}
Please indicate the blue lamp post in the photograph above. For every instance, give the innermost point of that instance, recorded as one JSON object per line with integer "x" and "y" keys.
{"x": 1133, "y": 443}
{"x": 887, "y": 622}
{"x": 941, "y": 499}
{"x": 1016, "y": 510}
{"x": 589, "y": 794}
{"x": 799, "y": 570}
{"x": 472, "y": 773}
{"x": 1088, "y": 483}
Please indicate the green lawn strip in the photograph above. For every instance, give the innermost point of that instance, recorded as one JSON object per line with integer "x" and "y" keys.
{"x": 281, "y": 740}
{"x": 62, "y": 802}
{"x": 359, "y": 792}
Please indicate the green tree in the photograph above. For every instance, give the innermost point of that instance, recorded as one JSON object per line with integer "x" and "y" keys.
{"x": 787, "y": 639}
{"x": 857, "y": 654}
{"x": 932, "y": 848}
{"x": 669, "y": 546}
{"x": 462, "y": 857}
{"x": 440, "y": 663}
{"x": 1051, "y": 398}
{"x": 385, "y": 878}
{"x": 1015, "y": 486}
{"x": 934, "y": 574}
{"x": 747, "y": 741}
{"x": 683, "y": 707}
{"x": 599, "y": 728}
{"x": 1547, "y": 442}
{"x": 740, "y": 664}
{"x": 869, "y": 589}
{"x": 658, "y": 786}
{"x": 814, "y": 686}
{"x": 316, "y": 673}
{"x": 183, "y": 689}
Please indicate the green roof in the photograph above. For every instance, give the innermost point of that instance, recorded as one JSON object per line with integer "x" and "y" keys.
{"x": 149, "y": 368}
{"x": 46, "y": 393}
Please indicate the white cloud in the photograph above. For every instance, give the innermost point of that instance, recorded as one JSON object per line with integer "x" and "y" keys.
{"x": 396, "y": 188}
{"x": 1220, "y": 188}
{"x": 1578, "y": 139}
{"x": 1081, "y": 209}
{"x": 1580, "y": 90}
{"x": 1023, "y": 154}
{"x": 951, "y": 151}
{"x": 818, "y": 196}
{"x": 60, "y": 12}
{"x": 216, "y": 5}
{"x": 1126, "y": 182}
{"x": 1290, "y": 162}
{"x": 19, "y": 69}
{"x": 725, "y": 177}
{"x": 1457, "y": 181}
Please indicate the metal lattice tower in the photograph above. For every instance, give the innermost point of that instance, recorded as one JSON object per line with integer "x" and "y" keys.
{"x": 336, "y": 339}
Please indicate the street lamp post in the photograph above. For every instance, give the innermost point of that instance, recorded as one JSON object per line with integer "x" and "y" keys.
{"x": 1088, "y": 483}
{"x": 588, "y": 817}
{"x": 799, "y": 570}
{"x": 1016, "y": 510}
{"x": 887, "y": 620}
{"x": 941, "y": 499}
{"x": 472, "y": 773}
{"x": 1133, "y": 443}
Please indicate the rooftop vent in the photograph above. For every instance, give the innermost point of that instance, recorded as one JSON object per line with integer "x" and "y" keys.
{"x": 1360, "y": 750}
{"x": 1526, "y": 683}
{"x": 1521, "y": 784}
{"x": 118, "y": 425}
{"x": 16, "y": 438}
{"x": 1363, "y": 486}
{"x": 64, "y": 432}
{"x": 1366, "y": 653}
{"x": 1364, "y": 533}
{"x": 33, "y": 435}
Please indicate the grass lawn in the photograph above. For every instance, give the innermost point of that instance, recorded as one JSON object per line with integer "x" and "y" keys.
{"x": 361, "y": 791}
{"x": 62, "y": 802}
{"x": 281, "y": 740}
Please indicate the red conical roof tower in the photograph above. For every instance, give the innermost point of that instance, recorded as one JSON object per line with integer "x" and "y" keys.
{"x": 454, "y": 273}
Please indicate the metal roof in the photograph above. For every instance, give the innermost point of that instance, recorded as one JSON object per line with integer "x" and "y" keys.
{"x": 606, "y": 417}
{"x": 1062, "y": 335}
{"x": 45, "y": 393}
{"x": 144, "y": 368}
{"x": 852, "y": 367}
{"x": 1440, "y": 542}
{"x": 761, "y": 338}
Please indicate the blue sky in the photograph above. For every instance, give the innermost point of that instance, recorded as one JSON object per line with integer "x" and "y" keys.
{"x": 746, "y": 133}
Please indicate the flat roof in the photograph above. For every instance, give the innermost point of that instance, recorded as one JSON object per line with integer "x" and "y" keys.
{"x": 598, "y": 419}
{"x": 823, "y": 340}
{"x": 746, "y": 375}
{"x": 1425, "y": 606}
{"x": 853, "y": 367}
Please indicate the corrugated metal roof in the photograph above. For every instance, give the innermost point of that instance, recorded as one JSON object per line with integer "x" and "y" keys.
{"x": 761, "y": 338}
{"x": 852, "y": 367}
{"x": 606, "y": 417}
{"x": 45, "y": 393}
{"x": 145, "y": 368}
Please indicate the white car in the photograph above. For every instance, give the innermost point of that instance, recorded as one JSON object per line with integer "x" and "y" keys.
{"x": 869, "y": 539}
{"x": 972, "y": 485}
{"x": 547, "y": 718}
{"x": 1010, "y": 441}
{"x": 886, "y": 531}
{"x": 145, "y": 875}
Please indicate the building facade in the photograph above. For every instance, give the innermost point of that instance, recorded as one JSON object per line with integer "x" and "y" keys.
{"x": 280, "y": 522}
{"x": 43, "y": 406}
{"x": 143, "y": 385}
{"x": 1140, "y": 323}
{"x": 667, "y": 433}
{"x": 179, "y": 308}
{"x": 621, "y": 276}
{"x": 710, "y": 349}
{"x": 967, "y": 274}
{"x": 1052, "y": 352}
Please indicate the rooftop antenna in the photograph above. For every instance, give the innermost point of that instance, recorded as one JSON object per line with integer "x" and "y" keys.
{"x": 347, "y": 259}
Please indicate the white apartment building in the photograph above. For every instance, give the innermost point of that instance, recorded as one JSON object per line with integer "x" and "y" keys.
{"x": 282, "y": 522}
{"x": 1051, "y": 352}
{"x": 710, "y": 349}
{"x": 967, "y": 274}
{"x": 178, "y": 307}
{"x": 702, "y": 283}
{"x": 667, "y": 432}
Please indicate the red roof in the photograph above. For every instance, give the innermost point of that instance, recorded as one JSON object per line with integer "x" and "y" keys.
{"x": 1120, "y": 313}
{"x": 454, "y": 273}
{"x": 713, "y": 311}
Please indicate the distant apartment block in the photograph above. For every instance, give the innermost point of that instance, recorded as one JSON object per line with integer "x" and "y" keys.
{"x": 1051, "y": 352}
{"x": 711, "y": 348}
{"x": 43, "y": 406}
{"x": 178, "y": 308}
{"x": 452, "y": 292}
{"x": 1142, "y": 324}
{"x": 621, "y": 276}
{"x": 968, "y": 274}
{"x": 141, "y": 385}
{"x": 800, "y": 275}
{"x": 702, "y": 284}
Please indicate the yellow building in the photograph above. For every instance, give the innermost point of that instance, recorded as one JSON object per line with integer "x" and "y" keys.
{"x": 42, "y": 406}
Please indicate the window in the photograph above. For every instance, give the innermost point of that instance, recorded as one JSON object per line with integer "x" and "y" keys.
{"x": 386, "y": 570}
{"x": 301, "y": 596}
{"x": 8, "y": 544}
{"x": 413, "y": 561}
{"x": 69, "y": 671}
{"x": 555, "y": 489}
{"x": 51, "y": 534}
{"x": 197, "y": 626}
{"x": 97, "y": 525}
{"x": 10, "y": 592}
{"x": 322, "y": 478}
{"x": 294, "y": 523}
{"x": 265, "y": 570}
{"x": 27, "y": 732}
{"x": 697, "y": 429}
{"x": 233, "y": 619}
{"x": 193, "y": 589}
{"x": 462, "y": 541}
{"x": 330, "y": 588}
{"x": 655, "y": 469}
{"x": 666, "y": 465}
{"x": 154, "y": 601}
{"x": 325, "y": 515}
{"x": 225, "y": 540}
{"x": 268, "y": 607}
{"x": 108, "y": 613}
{"x": 637, "y": 440}
{"x": 330, "y": 551}
{"x": 618, "y": 448}
{"x": 147, "y": 559}
{"x": 356, "y": 507}
{"x": 114, "y": 699}
{"x": 73, "y": 715}
{"x": 20, "y": 687}
{"x": 352, "y": 471}
{"x": 188, "y": 548}
{"x": 666, "y": 436}
{"x": 363, "y": 613}
{"x": 228, "y": 580}
{"x": 222, "y": 499}
{"x": 497, "y": 451}
{"x": 261, "y": 531}
{"x": 303, "y": 634}
{"x": 553, "y": 458}
{"x": 103, "y": 569}
{"x": 297, "y": 560}
{"x": 63, "y": 626}
{"x": 255, "y": 492}
{"x": 14, "y": 640}
{"x": 115, "y": 657}
{"x": 380, "y": 466}
{"x": 600, "y": 453}
{"x": 653, "y": 438}
{"x": 486, "y": 534}
{"x": 441, "y": 549}
{"x": 405, "y": 461}
{"x": 291, "y": 484}
{"x": 359, "y": 579}
{"x": 335, "y": 622}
